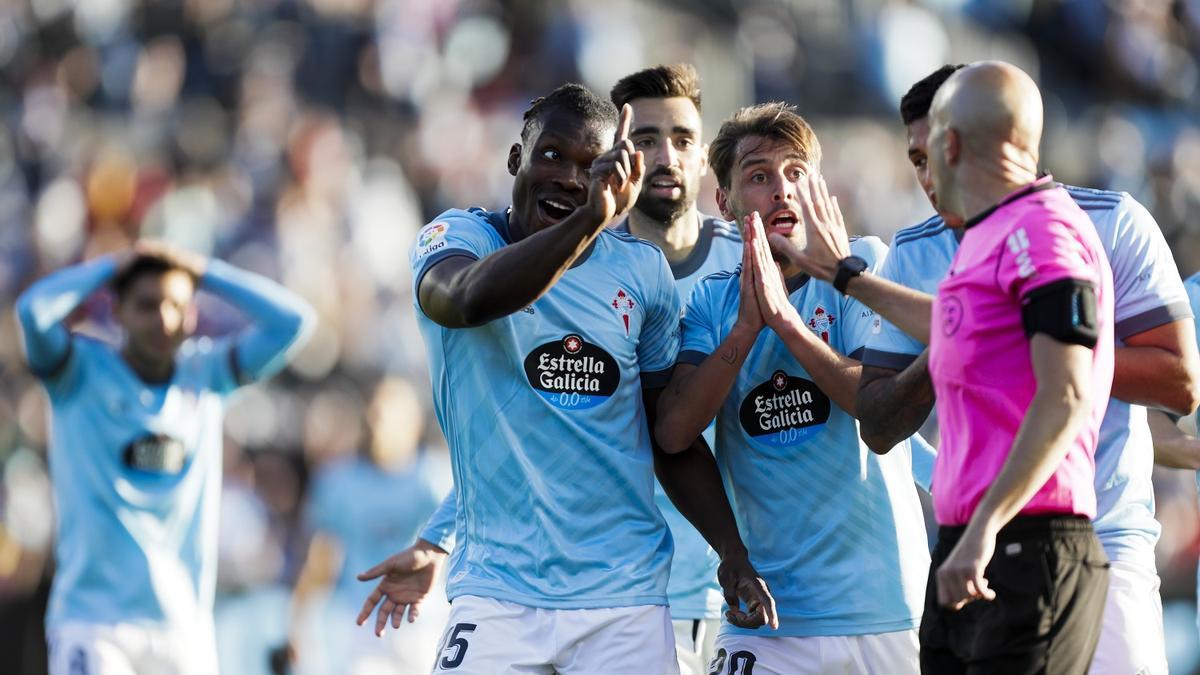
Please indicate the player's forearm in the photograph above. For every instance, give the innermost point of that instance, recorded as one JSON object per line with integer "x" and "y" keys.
{"x": 909, "y": 310}
{"x": 1172, "y": 448}
{"x": 835, "y": 374}
{"x": 693, "y": 398}
{"x": 1155, "y": 377}
{"x": 515, "y": 276}
{"x": 1056, "y": 413}
{"x": 43, "y": 307}
{"x": 693, "y": 482}
{"x": 893, "y": 405}
{"x": 281, "y": 318}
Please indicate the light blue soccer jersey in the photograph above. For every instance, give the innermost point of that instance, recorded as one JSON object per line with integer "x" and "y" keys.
{"x": 1149, "y": 293}
{"x": 693, "y": 589}
{"x": 367, "y": 509}
{"x": 543, "y": 413}
{"x": 136, "y": 467}
{"x": 835, "y": 529}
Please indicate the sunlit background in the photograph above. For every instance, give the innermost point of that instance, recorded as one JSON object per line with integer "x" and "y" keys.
{"x": 309, "y": 140}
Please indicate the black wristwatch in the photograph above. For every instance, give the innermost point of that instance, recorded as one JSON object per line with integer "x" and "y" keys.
{"x": 847, "y": 269}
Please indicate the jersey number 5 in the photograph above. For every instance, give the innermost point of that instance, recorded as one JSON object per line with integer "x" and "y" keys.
{"x": 458, "y": 644}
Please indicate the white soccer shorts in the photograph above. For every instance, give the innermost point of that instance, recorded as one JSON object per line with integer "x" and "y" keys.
{"x": 1131, "y": 636}
{"x": 127, "y": 649}
{"x": 485, "y": 636}
{"x": 695, "y": 641}
{"x": 896, "y": 653}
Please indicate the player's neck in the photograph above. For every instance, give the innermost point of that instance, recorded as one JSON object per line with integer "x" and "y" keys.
{"x": 676, "y": 239}
{"x": 148, "y": 369}
{"x": 985, "y": 185}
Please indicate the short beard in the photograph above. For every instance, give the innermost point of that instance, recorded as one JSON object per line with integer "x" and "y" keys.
{"x": 663, "y": 211}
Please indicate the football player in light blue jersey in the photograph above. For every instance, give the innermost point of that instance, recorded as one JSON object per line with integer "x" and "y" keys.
{"x": 667, "y": 130}
{"x": 1156, "y": 366}
{"x": 1175, "y": 438}
{"x": 549, "y": 336}
{"x": 135, "y": 456}
{"x": 360, "y": 505}
{"x": 835, "y": 529}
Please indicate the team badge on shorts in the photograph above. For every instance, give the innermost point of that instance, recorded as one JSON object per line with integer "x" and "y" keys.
{"x": 572, "y": 374}
{"x": 784, "y": 410}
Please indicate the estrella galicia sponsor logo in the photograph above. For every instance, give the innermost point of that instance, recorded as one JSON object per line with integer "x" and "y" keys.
{"x": 156, "y": 453}
{"x": 572, "y": 374}
{"x": 784, "y": 410}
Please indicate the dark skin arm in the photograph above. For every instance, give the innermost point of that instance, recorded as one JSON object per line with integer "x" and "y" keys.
{"x": 893, "y": 404}
{"x": 1159, "y": 368}
{"x": 1172, "y": 447}
{"x": 1156, "y": 368}
{"x": 693, "y": 482}
{"x": 460, "y": 292}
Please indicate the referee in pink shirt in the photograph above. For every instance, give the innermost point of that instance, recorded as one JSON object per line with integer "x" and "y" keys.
{"x": 1021, "y": 359}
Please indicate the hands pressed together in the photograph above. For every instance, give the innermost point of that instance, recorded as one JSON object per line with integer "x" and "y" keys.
{"x": 764, "y": 295}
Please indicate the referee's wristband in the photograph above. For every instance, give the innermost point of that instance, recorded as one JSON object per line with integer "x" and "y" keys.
{"x": 848, "y": 268}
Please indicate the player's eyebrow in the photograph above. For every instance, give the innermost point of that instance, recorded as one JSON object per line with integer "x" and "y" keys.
{"x": 678, "y": 129}
{"x": 755, "y": 160}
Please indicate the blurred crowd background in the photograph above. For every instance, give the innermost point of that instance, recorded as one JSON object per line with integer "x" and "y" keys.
{"x": 308, "y": 140}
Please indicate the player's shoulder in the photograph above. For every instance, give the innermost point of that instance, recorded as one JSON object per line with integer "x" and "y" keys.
{"x": 925, "y": 232}
{"x": 1193, "y": 281}
{"x": 474, "y": 219}
{"x": 715, "y": 284}
{"x": 722, "y": 229}
{"x": 626, "y": 244}
{"x": 1094, "y": 199}
{"x": 868, "y": 247}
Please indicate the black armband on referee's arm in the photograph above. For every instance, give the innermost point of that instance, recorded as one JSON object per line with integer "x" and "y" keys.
{"x": 1066, "y": 310}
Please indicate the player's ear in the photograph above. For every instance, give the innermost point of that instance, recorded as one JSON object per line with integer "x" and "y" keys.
{"x": 191, "y": 318}
{"x": 953, "y": 146}
{"x": 723, "y": 205}
{"x": 514, "y": 159}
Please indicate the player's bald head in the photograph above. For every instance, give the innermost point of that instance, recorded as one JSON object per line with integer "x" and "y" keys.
{"x": 985, "y": 125}
{"x": 991, "y": 104}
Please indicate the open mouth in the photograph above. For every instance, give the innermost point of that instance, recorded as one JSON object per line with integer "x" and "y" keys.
{"x": 555, "y": 209}
{"x": 665, "y": 186}
{"x": 783, "y": 222}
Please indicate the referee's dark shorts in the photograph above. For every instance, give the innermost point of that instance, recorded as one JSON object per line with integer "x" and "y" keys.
{"x": 1050, "y": 575}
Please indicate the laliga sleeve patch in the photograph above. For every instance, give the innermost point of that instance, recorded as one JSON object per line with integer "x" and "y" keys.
{"x": 1065, "y": 310}
{"x": 431, "y": 238}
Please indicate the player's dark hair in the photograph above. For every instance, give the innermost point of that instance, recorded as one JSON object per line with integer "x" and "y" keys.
{"x": 914, "y": 105}
{"x": 144, "y": 265}
{"x": 574, "y": 98}
{"x": 677, "y": 80}
{"x": 777, "y": 121}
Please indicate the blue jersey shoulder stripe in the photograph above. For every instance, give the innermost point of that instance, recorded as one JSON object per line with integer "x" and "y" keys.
{"x": 1077, "y": 191}
{"x": 926, "y": 229}
{"x": 724, "y": 274}
{"x": 727, "y": 232}
{"x": 626, "y": 237}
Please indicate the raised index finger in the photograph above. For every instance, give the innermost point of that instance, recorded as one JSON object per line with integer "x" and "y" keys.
{"x": 623, "y": 124}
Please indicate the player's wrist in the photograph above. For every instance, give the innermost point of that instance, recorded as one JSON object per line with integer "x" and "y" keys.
{"x": 429, "y": 547}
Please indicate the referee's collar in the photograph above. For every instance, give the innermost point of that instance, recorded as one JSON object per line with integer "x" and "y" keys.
{"x": 1044, "y": 182}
